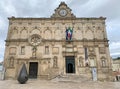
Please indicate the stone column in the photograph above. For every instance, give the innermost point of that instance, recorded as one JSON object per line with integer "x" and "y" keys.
{"x": 76, "y": 65}
{"x": 64, "y": 65}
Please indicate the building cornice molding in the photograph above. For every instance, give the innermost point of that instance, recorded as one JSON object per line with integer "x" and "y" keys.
{"x": 16, "y": 40}
{"x": 53, "y": 40}
{"x": 57, "y": 18}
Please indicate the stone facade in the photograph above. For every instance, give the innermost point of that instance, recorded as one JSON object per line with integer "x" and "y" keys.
{"x": 116, "y": 65}
{"x": 41, "y": 44}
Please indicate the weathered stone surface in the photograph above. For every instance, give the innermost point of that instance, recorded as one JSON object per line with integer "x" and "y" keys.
{"x": 43, "y": 41}
{"x": 23, "y": 76}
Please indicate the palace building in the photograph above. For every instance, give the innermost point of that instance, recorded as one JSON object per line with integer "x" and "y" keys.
{"x": 62, "y": 44}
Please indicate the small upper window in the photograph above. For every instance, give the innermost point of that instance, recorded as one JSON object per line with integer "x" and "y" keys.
{"x": 22, "y": 50}
{"x": 46, "y": 49}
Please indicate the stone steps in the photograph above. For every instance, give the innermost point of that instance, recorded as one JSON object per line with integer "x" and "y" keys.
{"x": 71, "y": 78}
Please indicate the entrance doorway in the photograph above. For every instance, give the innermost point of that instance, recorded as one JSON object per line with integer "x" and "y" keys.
{"x": 70, "y": 64}
{"x": 33, "y": 69}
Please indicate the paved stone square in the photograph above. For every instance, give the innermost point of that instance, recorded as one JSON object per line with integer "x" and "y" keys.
{"x": 44, "y": 84}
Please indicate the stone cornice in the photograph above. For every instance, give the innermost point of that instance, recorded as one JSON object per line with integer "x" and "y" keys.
{"x": 67, "y": 18}
{"x": 53, "y": 40}
{"x": 16, "y": 40}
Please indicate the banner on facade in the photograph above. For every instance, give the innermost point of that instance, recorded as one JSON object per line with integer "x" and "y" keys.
{"x": 69, "y": 32}
{"x": 94, "y": 74}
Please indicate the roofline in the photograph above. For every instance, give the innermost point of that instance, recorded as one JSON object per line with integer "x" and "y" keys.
{"x": 53, "y": 18}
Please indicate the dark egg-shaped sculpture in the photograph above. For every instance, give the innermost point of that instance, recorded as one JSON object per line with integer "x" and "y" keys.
{"x": 23, "y": 76}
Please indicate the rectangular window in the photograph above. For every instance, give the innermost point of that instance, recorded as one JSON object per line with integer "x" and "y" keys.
{"x": 22, "y": 50}
{"x": 86, "y": 56}
{"x": 46, "y": 49}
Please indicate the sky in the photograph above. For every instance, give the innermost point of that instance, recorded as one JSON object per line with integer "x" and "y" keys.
{"x": 81, "y": 8}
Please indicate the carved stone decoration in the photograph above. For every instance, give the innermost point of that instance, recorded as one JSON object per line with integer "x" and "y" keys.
{"x": 55, "y": 62}
{"x": 35, "y": 40}
{"x": 80, "y": 50}
{"x": 102, "y": 50}
{"x": 34, "y": 49}
{"x": 55, "y": 50}
{"x": 81, "y": 62}
{"x": 23, "y": 76}
{"x": 91, "y": 50}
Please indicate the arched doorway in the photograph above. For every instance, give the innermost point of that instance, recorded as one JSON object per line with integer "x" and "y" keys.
{"x": 70, "y": 64}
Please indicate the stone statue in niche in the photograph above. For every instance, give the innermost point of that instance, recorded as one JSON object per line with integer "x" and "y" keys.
{"x": 80, "y": 62}
{"x": 23, "y": 76}
{"x": 34, "y": 51}
{"x": 55, "y": 62}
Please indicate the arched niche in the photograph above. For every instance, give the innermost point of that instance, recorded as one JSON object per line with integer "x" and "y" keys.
{"x": 81, "y": 61}
{"x": 78, "y": 34}
{"x": 14, "y": 33}
{"x": 103, "y": 62}
{"x": 23, "y": 34}
{"x": 47, "y": 34}
{"x": 99, "y": 34}
{"x": 89, "y": 34}
{"x": 92, "y": 61}
{"x": 35, "y": 31}
{"x": 58, "y": 34}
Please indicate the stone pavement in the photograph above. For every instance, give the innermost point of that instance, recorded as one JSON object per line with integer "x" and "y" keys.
{"x": 44, "y": 84}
